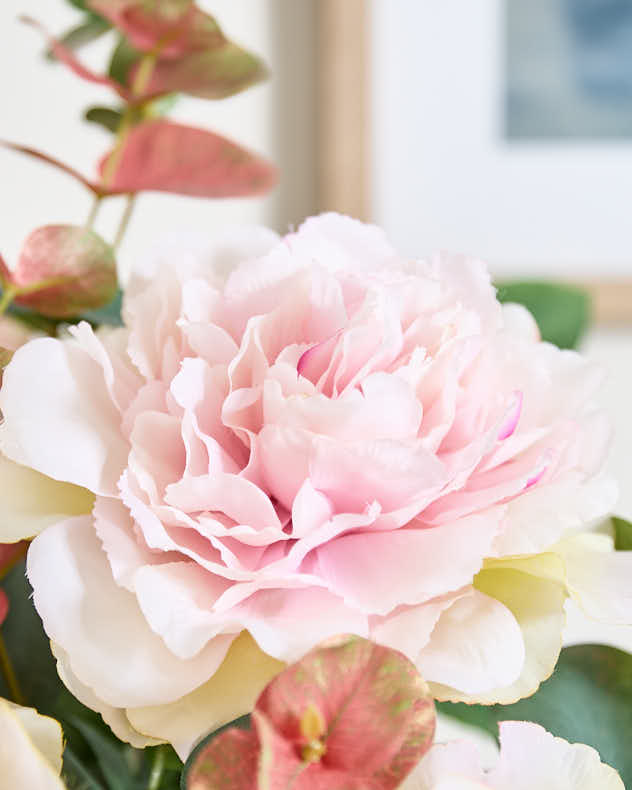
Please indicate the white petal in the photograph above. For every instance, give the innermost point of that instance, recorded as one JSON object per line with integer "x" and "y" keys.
{"x": 30, "y": 749}
{"x": 69, "y": 431}
{"x": 531, "y": 757}
{"x": 115, "y": 718}
{"x": 538, "y": 518}
{"x": 599, "y": 578}
{"x": 448, "y": 766}
{"x": 100, "y": 626}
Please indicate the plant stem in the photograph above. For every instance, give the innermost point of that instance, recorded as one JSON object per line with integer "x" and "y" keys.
{"x": 96, "y": 205}
{"x": 145, "y": 68}
{"x": 8, "y": 673}
{"x": 8, "y": 294}
{"x": 127, "y": 215}
{"x": 157, "y": 769}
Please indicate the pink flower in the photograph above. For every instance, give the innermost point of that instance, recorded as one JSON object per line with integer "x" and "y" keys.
{"x": 530, "y": 757}
{"x": 303, "y": 437}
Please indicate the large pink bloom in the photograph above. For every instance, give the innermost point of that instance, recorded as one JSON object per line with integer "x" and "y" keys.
{"x": 299, "y": 438}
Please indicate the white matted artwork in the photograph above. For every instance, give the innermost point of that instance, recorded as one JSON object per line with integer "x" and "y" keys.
{"x": 503, "y": 128}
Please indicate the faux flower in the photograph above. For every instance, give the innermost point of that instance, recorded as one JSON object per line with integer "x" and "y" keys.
{"x": 530, "y": 757}
{"x": 301, "y": 437}
{"x": 31, "y": 747}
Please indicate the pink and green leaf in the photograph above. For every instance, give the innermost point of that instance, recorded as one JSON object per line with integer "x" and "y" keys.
{"x": 208, "y": 74}
{"x": 378, "y": 711}
{"x": 63, "y": 270}
{"x": 351, "y": 715}
{"x": 161, "y": 156}
{"x": 170, "y": 27}
{"x": 67, "y": 56}
{"x": 229, "y": 762}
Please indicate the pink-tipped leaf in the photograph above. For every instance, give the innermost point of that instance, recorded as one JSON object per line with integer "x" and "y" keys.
{"x": 162, "y": 156}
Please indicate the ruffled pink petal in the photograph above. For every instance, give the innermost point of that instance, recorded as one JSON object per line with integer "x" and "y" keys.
{"x": 379, "y": 571}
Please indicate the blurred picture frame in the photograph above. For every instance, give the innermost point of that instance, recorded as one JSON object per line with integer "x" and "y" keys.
{"x": 415, "y": 131}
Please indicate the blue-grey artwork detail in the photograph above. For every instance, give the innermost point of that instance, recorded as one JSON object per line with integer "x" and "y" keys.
{"x": 568, "y": 69}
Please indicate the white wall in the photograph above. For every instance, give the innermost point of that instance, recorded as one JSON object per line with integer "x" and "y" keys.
{"x": 443, "y": 178}
{"x": 42, "y": 104}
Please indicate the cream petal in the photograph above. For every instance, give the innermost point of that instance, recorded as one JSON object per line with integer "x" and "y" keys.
{"x": 535, "y": 596}
{"x": 30, "y": 501}
{"x": 476, "y": 646}
{"x": 230, "y": 693}
{"x": 448, "y": 766}
{"x": 115, "y": 718}
{"x": 100, "y": 625}
{"x": 69, "y": 431}
{"x": 30, "y": 749}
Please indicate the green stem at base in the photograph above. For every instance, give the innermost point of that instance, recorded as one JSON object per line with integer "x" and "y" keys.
{"x": 157, "y": 769}
{"x": 125, "y": 219}
{"x": 8, "y": 295}
{"x": 8, "y": 673}
{"x": 96, "y": 205}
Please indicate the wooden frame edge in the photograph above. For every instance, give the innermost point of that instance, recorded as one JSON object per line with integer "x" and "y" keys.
{"x": 342, "y": 96}
{"x": 611, "y": 300}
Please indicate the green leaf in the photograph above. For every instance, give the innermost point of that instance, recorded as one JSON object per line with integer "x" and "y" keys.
{"x": 588, "y": 699}
{"x": 109, "y": 755}
{"x": 75, "y": 774}
{"x": 110, "y": 314}
{"x": 622, "y": 534}
{"x": 104, "y": 116}
{"x": 562, "y": 312}
{"x": 28, "y": 646}
{"x": 242, "y": 723}
{"x": 123, "y": 58}
{"x": 36, "y": 670}
{"x": 88, "y": 31}
{"x": 33, "y": 320}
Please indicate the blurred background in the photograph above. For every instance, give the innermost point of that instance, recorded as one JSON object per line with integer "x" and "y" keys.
{"x": 501, "y": 128}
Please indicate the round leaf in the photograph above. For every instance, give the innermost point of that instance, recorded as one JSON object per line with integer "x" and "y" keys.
{"x": 377, "y": 712}
{"x": 562, "y": 312}
{"x": 104, "y": 116}
{"x": 622, "y": 534}
{"x": 63, "y": 270}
